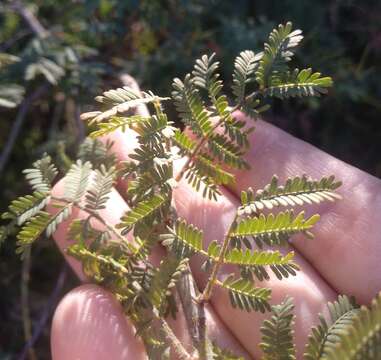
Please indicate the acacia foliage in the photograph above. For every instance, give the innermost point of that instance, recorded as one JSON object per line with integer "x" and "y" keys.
{"x": 214, "y": 149}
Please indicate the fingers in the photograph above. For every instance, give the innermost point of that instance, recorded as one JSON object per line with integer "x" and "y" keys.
{"x": 347, "y": 247}
{"x": 89, "y": 324}
{"x": 83, "y": 302}
{"x": 309, "y": 291}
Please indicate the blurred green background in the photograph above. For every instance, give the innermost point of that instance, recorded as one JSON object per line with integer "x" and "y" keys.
{"x": 66, "y": 52}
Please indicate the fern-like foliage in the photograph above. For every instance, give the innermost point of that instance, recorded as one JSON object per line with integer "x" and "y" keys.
{"x": 245, "y": 296}
{"x": 214, "y": 145}
{"x": 296, "y": 191}
{"x": 277, "y": 333}
{"x": 256, "y": 263}
{"x": 120, "y": 101}
{"x": 245, "y": 66}
{"x": 361, "y": 339}
{"x": 116, "y": 123}
{"x": 274, "y": 229}
{"x": 39, "y": 223}
{"x": 163, "y": 281}
{"x": 298, "y": 84}
{"x": 98, "y": 194}
{"x": 183, "y": 239}
{"x": 278, "y": 51}
{"x": 143, "y": 212}
{"x": 25, "y": 207}
{"x": 226, "y": 151}
{"x": 41, "y": 176}
{"x": 324, "y": 337}
{"x": 77, "y": 180}
{"x": 190, "y": 106}
{"x": 97, "y": 153}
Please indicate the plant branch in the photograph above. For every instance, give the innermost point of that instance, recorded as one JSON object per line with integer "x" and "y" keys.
{"x": 30, "y": 19}
{"x": 194, "y": 312}
{"x": 93, "y": 214}
{"x": 207, "y": 293}
{"x": 179, "y": 349}
{"x": 199, "y": 146}
{"x": 27, "y": 324}
{"x": 43, "y": 319}
{"x": 169, "y": 335}
{"x": 20, "y": 117}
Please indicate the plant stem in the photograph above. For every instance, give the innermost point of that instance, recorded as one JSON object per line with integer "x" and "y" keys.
{"x": 27, "y": 324}
{"x": 46, "y": 312}
{"x": 30, "y": 19}
{"x": 181, "y": 353}
{"x": 169, "y": 335}
{"x": 17, "y": 124}
{"x": 93, "y": 214}
{"x": 207, "y": 293}
{"x": 194, "y": 312}
{"x": 198, "y": 147}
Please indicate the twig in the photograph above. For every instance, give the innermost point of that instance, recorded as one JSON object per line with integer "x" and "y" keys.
{"x": 27, "y": 324}
{"x": 93, "y": 214}
{"x": 30, "y": 19}
{"x": 10, "y": 42}
{"x": 207, "y": 293}
{"x": 46, "y": 312}
{"x": 194, "y": 312}
{"x": 177, "y": 346}
{"x": 199, "y": 146}
{"x": 23, "y": 110}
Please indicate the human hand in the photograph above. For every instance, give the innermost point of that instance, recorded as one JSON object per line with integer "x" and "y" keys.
{"x": 344, "y": 257}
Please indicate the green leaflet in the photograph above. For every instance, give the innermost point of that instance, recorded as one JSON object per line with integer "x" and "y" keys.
{"x": 245, "y": 296}
{"x": 98, "y": 194}
{"x": 325, "y": 336}
{"x": 278, "y": 51}
{"x": 141, "y": 212}
{"x": 96, "y": 152}
{"x": 25, "y": 207}
{"x": 271, "y": 228}
{"x": 361, "y": 339}
{"x": 41, "y": 222}
{"x": 115, "y": 123}
{"x": 257, "y": 257}
{"x": 296, "y": 191}
{"x": 277, "y": 333}
{"x": 183, "y": 239}
{"x": 190, "y": 106}
{"x": 41, "y": 176}
{"x": 245, "y": 65}
{"x": 163, "y": 281}
{"x": 120, "y": 101}
{"x": 77, "y": 180}
{"x": 298, "y": 84}
{"x": 226, "y": 151}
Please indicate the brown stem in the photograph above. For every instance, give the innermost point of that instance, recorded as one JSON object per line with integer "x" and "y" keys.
{"x": 193, "y": 311}
{"x": 179, "y": 349}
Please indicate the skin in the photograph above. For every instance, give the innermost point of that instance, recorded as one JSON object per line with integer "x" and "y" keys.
{"x": 344, "y": 257}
